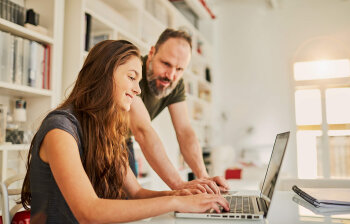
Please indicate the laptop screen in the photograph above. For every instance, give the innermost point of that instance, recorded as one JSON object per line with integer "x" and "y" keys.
{"x": 273, "y": 169}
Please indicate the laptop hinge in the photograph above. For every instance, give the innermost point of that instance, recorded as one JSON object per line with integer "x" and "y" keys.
{"x": 262, "y": 205}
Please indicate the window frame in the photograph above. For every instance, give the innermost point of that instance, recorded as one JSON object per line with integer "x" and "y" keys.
{"x": 322, "y": 85}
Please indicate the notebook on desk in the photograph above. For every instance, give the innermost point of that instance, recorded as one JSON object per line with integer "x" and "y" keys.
{"x": 252, "y": 207}
{"x": 325, "y": 197}
{"x": 321, "y": 210}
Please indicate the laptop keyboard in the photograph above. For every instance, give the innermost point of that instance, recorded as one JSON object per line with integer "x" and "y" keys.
{"x": 239, "y": 204}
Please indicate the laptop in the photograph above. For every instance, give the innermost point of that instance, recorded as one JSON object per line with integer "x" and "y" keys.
{"x": 254, "y": 207}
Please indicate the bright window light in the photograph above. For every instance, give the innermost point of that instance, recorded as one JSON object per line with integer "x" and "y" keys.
{"x": 338, "y": 105}
{"x": 308, "y": 107}
{"x": 321, "y": 69}
{"x": 307, "y": 153}
{"x": 339, "y": 133}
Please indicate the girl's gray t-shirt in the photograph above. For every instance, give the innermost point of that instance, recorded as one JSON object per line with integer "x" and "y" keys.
{"x": 48, "y": 204}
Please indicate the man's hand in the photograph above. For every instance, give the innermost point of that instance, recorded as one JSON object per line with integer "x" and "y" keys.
{"x": 184, "y": 192}
{"x": 211, "y": 185}
{"x": 221, "y": 182}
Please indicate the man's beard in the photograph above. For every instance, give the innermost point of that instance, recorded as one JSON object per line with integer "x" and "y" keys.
{"x": 152, "y": 83}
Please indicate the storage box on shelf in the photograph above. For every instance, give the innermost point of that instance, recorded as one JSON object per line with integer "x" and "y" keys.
{"x": 33, "y": 75}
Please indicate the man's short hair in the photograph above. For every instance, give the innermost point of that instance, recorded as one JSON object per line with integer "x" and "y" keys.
{"x": 171, "y": 33}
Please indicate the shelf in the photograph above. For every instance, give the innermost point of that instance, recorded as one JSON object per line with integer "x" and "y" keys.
{"x": 204, "y": 84}
{"x": 102, "y": 22}
{"x": 198, "y": 123}
{"x": 179, "y": 15}
{"x": 140, "y": 44}
{"x": 21, "y": 90}
{"x": 198, "y": 57}
{"x": 14, "y": 147}
{"x": 198, "y": 8}
{"x": 24, "y": 32}
{"x": 202, "y": 81}
{"x": 150, "y": 26}
{"x": 123, "y": 5}
{"x": 202, "y": 38}
{"x": 129, "y": 36}
{"x": 173, "y": 10}
{"x": 197, "y": 99}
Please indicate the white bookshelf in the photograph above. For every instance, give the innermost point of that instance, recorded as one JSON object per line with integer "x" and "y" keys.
{"x": 24, "y": 32}
{"x": 39, "y": 101}
{"x": 15, "y": 90}
{"x": 141, "y": 22}
{"x": 14, "y": 147}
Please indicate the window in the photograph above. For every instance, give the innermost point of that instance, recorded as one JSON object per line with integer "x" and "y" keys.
{"x": 322, "y": 111}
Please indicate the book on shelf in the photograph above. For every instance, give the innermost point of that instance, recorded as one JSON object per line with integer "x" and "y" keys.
{"x": 24, "y": 62}
{"x": 18, "y": 62}
{"x": 32, "y": 63}
{"x": 48, "y": 63}
{"x": 12, "y": 11}
{"x": 87, "y": 31}
{"x": 39, "y": 68}
{"x": 46, "y": 68}
{"x": 7, "y": 48}
{"x": 325, "y": 197}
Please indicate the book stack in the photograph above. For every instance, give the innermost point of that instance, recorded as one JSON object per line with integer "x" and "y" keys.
{"x": 24, "y": 62}
{"x": 12, "y": 12}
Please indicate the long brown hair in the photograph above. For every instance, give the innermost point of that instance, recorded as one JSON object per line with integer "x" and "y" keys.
{"x": 104, "y": 125}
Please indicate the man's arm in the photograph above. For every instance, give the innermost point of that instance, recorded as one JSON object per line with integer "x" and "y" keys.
{"x": 190, "y": 147}
{"x": 153, "y": 149}
{"x": 187, "y": 139}
{"x": 151, "y": 145}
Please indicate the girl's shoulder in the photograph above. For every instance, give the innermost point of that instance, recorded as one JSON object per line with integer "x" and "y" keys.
{"x": 63, "y": 119}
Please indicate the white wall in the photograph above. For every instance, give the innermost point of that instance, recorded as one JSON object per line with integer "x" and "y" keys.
{"x": 254, "y": 50}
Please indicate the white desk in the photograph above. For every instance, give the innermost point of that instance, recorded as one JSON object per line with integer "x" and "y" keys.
{"x": 283, "y": 210}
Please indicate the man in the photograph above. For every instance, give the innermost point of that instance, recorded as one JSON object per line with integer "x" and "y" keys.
{"x": 162, "y": 86}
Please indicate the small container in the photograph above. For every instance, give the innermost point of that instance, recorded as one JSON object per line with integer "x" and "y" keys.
{"x": 19, "y": 112}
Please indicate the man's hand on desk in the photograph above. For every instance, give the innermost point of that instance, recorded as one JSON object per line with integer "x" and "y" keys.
{"x": 211, "y": 185}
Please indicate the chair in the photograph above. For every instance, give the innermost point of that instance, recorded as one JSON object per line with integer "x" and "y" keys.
{"x": 12, "y": 215}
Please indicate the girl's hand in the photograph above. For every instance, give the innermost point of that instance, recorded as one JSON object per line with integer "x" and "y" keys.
{"x": 201, "y": 203}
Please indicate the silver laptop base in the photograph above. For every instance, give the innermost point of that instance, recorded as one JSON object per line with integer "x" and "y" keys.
{"x": 220, "y": 216}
